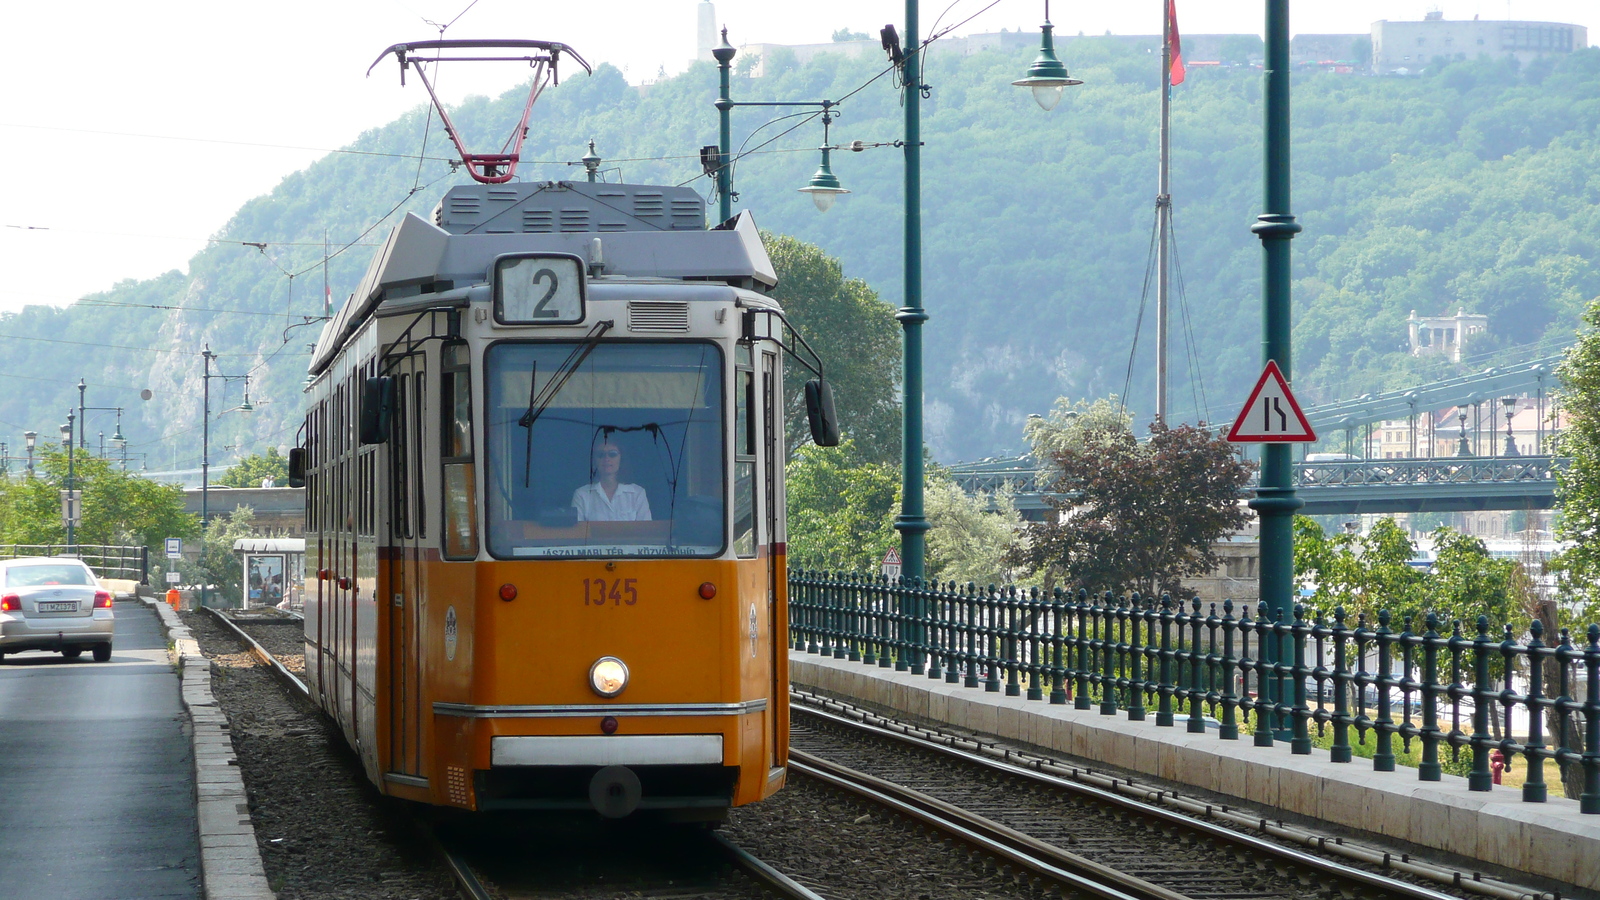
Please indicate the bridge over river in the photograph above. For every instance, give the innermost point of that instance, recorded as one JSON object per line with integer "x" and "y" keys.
{"x": 1478, "y": 477}
{"x": 1341, "y": 487}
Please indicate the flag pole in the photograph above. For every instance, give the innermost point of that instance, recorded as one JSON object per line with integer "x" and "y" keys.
{"x": 1163, "y": 212}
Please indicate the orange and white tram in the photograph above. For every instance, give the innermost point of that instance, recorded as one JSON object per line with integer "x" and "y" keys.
{"x": 544, "y": 466}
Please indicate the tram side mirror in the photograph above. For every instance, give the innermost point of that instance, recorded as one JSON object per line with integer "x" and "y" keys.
{"x": 297, "y": 467}
{"x": 377, "y": 399}
{"x": 819, "y": 410}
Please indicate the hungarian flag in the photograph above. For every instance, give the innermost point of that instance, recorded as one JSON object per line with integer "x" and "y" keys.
{"x": 1178, "y": 71}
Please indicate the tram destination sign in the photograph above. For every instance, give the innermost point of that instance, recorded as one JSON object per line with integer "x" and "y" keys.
{"x": 1271, "y": 415}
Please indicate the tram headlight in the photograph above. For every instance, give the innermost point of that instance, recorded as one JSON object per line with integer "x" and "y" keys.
{"x": 608, "y": 676}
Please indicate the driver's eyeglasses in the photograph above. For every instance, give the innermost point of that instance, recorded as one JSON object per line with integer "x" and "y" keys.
{"x": 607, "y": 454}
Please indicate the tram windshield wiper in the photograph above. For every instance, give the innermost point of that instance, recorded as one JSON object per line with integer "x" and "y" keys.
{"x": 540, "y": 400}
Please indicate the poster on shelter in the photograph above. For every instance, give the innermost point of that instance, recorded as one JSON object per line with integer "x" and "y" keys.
{"x": 264, "y": 574}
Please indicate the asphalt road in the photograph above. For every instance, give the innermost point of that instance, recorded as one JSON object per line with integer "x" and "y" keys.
{"x": 97, "y": 773}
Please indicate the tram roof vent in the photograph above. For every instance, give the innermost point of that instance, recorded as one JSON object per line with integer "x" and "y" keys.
{"x": 569, "y": 206}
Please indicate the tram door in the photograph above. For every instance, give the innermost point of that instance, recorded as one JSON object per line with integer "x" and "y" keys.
{"x": 407, "y": 516}
{"x": 772, "y": 514}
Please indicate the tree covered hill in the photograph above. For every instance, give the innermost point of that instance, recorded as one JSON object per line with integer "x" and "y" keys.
{"x": 1473, "y": 185}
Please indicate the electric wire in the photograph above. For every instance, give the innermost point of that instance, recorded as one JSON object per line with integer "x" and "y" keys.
{"x": 1138, "y": 327}
{"x": 231, "y": 312}
{"x": 1197, "y": 384}
{"x": 923, "y": 45}
{"x": 20, "y": 337}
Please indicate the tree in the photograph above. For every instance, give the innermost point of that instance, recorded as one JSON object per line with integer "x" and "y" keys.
{"x": 1140, "y": 516}
{"x": 1578, "y": 486}
{"x": 252, "y": 470}
{"x": 1069, "y": 426}
{"x": 117, "y": 507}
{"x": 1356, "y": 573}
{"x": 841, "y": 509}
{"x": 855, "y": 335}
{"x": 970, "y": 536}
{"x": 1466, "y": 582}
{"x": 218, "y": 565}
{"x": 845, "y": 34}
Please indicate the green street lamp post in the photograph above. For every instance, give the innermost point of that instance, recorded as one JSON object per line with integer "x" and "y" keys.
{"x": 912, "y": 523}
{"x": 1275, "y": 501}
{"x": 823, "y": 187}
{"x": 205, "y": 443}
{"x": 69, "y": 508}
{"x": 28, "y": 439}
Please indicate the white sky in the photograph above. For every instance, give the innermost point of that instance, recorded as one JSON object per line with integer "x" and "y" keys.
{"x": 291, "y": 72}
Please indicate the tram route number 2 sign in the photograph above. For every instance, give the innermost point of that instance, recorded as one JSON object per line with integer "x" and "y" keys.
{"x": 1271, "y": 415}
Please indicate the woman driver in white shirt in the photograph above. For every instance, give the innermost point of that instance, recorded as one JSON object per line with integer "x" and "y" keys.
{"x": 606, "y": 500}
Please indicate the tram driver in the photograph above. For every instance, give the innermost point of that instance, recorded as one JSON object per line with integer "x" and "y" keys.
{"x": 607, "y": 499}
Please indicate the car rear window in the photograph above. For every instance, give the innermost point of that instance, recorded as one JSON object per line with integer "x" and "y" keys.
{"x": 34, "y": 576}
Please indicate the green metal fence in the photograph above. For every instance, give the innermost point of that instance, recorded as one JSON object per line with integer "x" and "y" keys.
{"x": 1451, "y": 685}
{"x": 107, "y": 560}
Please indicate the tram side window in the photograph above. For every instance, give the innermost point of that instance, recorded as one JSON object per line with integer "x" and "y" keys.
{"x": 400, "y": 461}
{"x": 419, "y": 404}
{"x": 744, "y": 455}
{"x": 460, "y": 479}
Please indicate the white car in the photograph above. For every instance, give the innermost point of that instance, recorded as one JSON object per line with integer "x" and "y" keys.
{"x": 54, "y": 603}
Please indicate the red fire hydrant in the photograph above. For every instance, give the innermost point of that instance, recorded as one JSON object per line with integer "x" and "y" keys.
{"x": 1497, "y": 764}
{"x": 174, "y": 599}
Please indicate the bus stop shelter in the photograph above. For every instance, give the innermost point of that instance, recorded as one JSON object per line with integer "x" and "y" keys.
{"x": 273, "y": 571}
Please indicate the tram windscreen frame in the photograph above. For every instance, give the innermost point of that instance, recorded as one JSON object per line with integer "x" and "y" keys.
{"x": 658, "y": 404}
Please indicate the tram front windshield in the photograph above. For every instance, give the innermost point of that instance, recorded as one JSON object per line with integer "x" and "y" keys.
{"x": 620, "y": 454}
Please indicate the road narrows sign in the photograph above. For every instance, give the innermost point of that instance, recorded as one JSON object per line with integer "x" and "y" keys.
{"x": 1271, "y": 415}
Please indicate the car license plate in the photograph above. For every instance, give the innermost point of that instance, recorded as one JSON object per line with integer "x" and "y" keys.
{"x": 58, "y": 606}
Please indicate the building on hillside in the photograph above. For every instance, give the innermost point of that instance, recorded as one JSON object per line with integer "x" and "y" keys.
{"x": 1445, "y": 334}
{"x": 1401, "y": 48}
{"x": 705, "y": 32}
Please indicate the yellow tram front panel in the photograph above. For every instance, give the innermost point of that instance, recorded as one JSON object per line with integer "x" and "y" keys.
{"x": 531, "y": 657}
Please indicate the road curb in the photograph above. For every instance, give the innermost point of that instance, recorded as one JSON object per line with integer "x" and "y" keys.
{"x": 230, "y": 859}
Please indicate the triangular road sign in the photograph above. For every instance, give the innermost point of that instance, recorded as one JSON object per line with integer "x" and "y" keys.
{"x": 1271, "y": 415}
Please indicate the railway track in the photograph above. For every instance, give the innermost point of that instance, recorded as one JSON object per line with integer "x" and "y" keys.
{"x": 1134, "y": 839}
{"x": 756, "y": 878}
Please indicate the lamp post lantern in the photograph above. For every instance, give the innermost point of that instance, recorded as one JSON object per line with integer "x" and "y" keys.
{"x": 1047, "y": 77}
{"x": 28, "y": 438}
{"x": 1463, "y": 447}
{"x": 824, "y": 186}
{"x": 1511, "y": 410}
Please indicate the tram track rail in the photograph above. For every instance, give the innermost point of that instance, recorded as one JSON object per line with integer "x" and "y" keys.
{"x": 1240, "y": 833}
{"x": 456, "y": 863}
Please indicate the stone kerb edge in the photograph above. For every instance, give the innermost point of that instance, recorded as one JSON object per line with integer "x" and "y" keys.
{"x": 1495, "y": 828}
{"x": 230, "y": 859}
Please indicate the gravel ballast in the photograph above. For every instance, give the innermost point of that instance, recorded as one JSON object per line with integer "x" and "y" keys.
{"x": 325, "y": 832}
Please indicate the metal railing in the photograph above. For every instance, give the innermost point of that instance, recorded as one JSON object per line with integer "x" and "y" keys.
{"x": 1025, "y": 479}
{"x": 107, "y": 560}
{"x": 1475, "y": 470}
{"x": 1450, "y": 686}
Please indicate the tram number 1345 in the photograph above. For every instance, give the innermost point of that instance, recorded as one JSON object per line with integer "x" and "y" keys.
{"x": 599, "y": 591}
